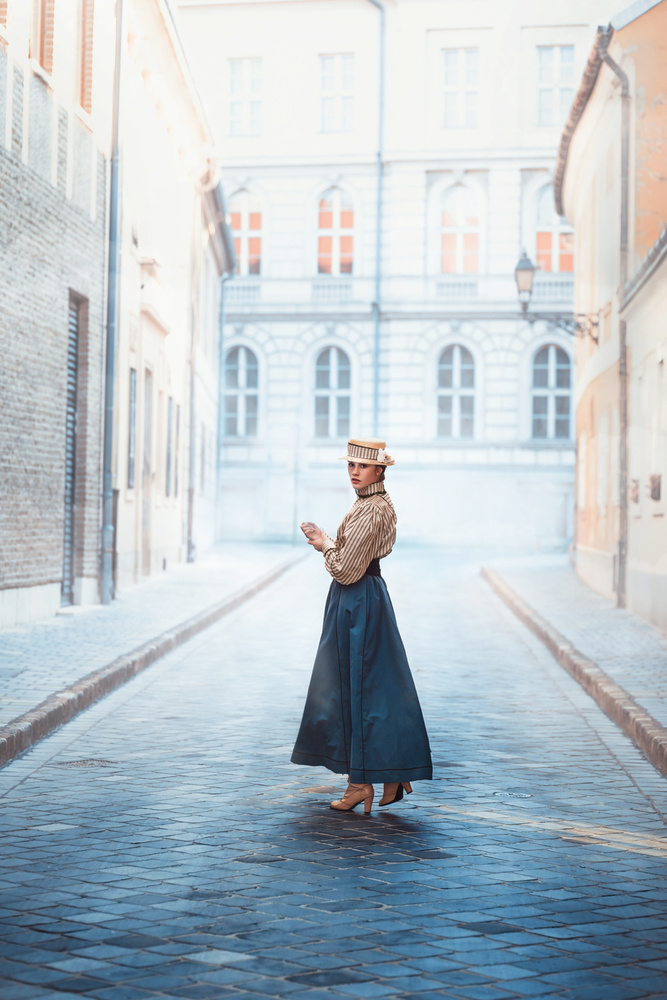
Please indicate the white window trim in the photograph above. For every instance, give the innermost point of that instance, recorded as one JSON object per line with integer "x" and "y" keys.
{"x": 560, "y": 227}
{"x": 434, "y": 222}
{"x": 310, "y": 390}
{"x": 248, "y": 100}
{"x": 461, "y": 89}
{"x": 245, "y": 233}
{"x": 432, "y": 391}
{"x": 260, "y": 391}
{"x": 338, "y": 95}
{"x": 550, "y": 392}
{"x": 556, "y": 87}
{"x": 336, "y": 232}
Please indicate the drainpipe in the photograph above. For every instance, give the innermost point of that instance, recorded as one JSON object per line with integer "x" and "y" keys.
{"x": 113, "y": 305}
{"x": 623, "y": 350}
{"x": 378, "y": 224}
{"x": 221, "y": 389}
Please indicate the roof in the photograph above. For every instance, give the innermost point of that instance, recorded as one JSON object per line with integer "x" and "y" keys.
{"x": 588, "y": 81}
{"x": 632, "y": 12}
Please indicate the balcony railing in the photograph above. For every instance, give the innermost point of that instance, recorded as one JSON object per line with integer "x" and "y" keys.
{"x": 436, "y": 294}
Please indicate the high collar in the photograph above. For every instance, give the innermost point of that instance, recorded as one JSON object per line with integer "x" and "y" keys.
{"x": 367, "y": 491}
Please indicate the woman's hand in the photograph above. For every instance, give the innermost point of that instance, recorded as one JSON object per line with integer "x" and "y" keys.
{"x": 314, "y": 534}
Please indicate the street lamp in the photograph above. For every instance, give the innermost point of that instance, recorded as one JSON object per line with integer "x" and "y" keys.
{"x": 576, "y": 324}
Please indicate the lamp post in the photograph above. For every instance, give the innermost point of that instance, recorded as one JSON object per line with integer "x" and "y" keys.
{"x": 576, "y": 324}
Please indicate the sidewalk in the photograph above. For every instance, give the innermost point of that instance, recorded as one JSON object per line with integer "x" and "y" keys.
{"x": 39, "y": 659}
{"x": 618, "y": 658}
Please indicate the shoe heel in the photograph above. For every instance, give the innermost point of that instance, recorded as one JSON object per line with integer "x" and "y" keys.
{"x": 407, "y": 786}
{"x": 368, "y": 802}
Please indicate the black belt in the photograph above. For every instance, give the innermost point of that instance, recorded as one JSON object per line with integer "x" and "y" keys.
{"x": 373, "y": 568}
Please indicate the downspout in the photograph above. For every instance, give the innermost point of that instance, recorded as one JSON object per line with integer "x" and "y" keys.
{"x": 221, "y": 388}
{"x": 378, "y": 224}
{"x": 622, "y": 331}
{"x": 113, "y": 306}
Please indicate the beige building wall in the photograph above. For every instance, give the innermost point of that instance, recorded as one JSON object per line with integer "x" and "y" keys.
{"x": 592, "y": 197}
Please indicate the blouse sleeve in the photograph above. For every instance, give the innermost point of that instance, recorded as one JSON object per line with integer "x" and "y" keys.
{"x": 348, "y": 557}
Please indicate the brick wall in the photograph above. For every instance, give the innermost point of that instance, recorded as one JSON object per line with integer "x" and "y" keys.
{"x": 50, "y": 248}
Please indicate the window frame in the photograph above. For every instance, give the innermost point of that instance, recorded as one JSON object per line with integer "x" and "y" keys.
{"x": 243, "y": 236}
{"x": 245, "y": 101}
{"x": 336, "y": 233}
{"x": 561, "y": 91}
{"x": 339, "y": 97}
{"x": 333, "y": 394}
{"x": 461, "y": 89}
{"x": 557, "y": 229}
{"x": 551, "y": 392}
{"x": 241, "y": 394}
{"x": 460, "y": 230}
{"x": 456, "y": 393}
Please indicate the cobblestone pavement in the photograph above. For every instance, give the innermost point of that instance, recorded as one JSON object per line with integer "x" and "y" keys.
{"x": 632, "y": 652}
{"x": 162, "y": 845}
{"x": 42, "y": 657}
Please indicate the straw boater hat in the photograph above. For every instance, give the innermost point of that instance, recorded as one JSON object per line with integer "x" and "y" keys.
{"x": 368, "y": 451}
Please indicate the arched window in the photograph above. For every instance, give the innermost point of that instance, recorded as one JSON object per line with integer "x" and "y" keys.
{"x": 335, "y": 233}
{"x": 552, "y": 379}
{"x": 456, "y": 393}
{"x": 333, "y": 380}
{"x": 241, "y": 398}
{"x": 246, "y": 223}
{"x": 555, "y": 239}
{"x": 460, "y": 231}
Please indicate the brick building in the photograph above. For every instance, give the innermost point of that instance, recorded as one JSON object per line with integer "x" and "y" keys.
{"x": 56, "y": 83}
{"x": 52, "y": 278}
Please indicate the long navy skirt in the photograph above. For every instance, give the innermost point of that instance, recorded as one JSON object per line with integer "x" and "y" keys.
{"x": 362, "y": 714}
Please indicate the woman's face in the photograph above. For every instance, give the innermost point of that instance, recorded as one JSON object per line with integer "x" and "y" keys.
{"x": 363, "y": 475}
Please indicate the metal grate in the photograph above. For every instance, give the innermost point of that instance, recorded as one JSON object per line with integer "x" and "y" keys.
{"x": 67, "y": 589}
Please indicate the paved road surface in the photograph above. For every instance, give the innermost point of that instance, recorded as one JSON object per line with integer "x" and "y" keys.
{"x": 193, "y": 860}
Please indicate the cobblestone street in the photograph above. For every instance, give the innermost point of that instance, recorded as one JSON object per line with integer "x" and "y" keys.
{"x": 162, "y": 845}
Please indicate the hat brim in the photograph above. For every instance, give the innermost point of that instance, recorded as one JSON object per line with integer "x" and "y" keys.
{"x": 364, "y": 461}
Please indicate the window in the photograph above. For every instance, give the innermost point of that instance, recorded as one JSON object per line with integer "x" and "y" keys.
{"x": 176, "y": 447}
{"x": 41, "y": 35}
{"x": 246, "y": 221}
{"x": 3, "y": 13}
{"x": 335, "y": 234}
{"x": 132, "y": 431}
{"x": 337, "y": 86}
{"x": 551, "y": 394}
{"x": 86, "y": 64}
{"x": 555, "y": 83}
{"x": 333, "y": 379}
{"x": 245, "y": 87}
{"x": 555, "y": 239}
{"x": 460, "y": 87}
{"x": 170, "y": 436}
{"x": 456, "y": 393}
{"x": 460, "y": 231}
{"x": 241, "y": 398}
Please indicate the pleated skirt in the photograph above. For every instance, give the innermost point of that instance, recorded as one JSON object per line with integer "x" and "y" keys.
{"x": 362, "y": 715}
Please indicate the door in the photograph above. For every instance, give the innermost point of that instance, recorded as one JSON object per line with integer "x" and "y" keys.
{"x": 146, "y": 475}
{"x": 67, "y": 588}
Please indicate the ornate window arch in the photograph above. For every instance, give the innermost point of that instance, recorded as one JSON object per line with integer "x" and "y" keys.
{"x": 460, "y": 230}
{"x": 333, "y": 393}
{"x": 241, "y": 392}
{"x": 456, "y": 393}
{"x": 554, "y": 238}
{"x": 246, "y": 215}
{"x": 335, "y": 233}
{"x": 551, "y": 394}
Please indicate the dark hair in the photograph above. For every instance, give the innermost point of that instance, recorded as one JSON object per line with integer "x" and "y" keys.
{"x": 384, "y": 469}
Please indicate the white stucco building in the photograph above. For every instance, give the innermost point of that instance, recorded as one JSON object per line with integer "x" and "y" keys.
{"x": 474, "y": 402}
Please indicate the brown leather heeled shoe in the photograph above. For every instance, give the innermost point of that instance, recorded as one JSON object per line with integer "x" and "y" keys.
{"x": 393, "y": 792}
{"x": 354, "y": 794}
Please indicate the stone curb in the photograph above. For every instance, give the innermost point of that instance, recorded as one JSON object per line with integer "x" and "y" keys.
{"x": 60, "y": 707}
{"x": 645, "y": 731}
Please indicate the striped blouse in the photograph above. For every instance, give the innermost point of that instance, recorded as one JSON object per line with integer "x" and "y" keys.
{"x": 367, "y": 532}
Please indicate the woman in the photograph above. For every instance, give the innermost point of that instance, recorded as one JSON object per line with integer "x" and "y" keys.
{"x": 362, "y": 716}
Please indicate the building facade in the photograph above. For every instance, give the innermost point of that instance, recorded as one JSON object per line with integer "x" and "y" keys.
{"x": 175, "y": 247}
{"x": 56, "y": 83}
{"x": 422, "y": 341}
{"x": 621, "y": 537}
{"x": 54, "y": 113}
